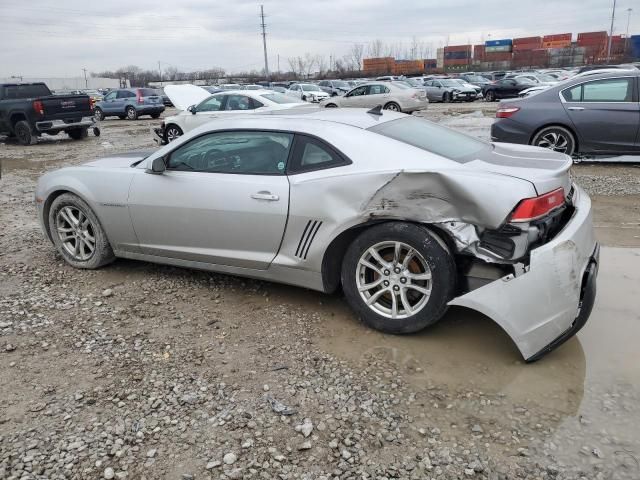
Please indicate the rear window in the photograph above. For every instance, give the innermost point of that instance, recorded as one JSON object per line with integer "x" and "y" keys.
{"x": 431, "y": 137}
{"x": 25, "y": 91}
{"x": 279, "y": 98}
{"x": 147, "y": 92}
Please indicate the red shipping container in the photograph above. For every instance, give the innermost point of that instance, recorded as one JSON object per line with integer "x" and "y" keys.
{"x": 527, "y": 46}
{"x": 458, "y": 48}
{"x": 557, "y": 37}
{"x": 526, "y": 41}
{"x": 592, "y": 35}
{"x": 497, "y": 56}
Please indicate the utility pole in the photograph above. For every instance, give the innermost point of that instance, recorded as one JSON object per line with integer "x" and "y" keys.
{"x": 264, "y": 41}
{"x": 86, "y": 82}
{"x": 160, "y": 70}
{"x": 613, "y": 16}
{"x": 626, "y": 37}
{"x": 278, "y": 64}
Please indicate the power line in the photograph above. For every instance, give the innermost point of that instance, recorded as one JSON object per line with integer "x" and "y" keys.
{"x": 264, "y": 41}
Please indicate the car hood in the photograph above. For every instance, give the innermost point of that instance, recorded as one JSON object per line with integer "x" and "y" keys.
{"x": 183, "y": 96}
{"x": 545, "y": 169}
{"x": 121, "y": 160}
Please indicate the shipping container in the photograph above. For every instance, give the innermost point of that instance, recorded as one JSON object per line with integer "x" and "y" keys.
{"x": 527, "y": 46}
{"x": 461, "y": 61}
{"x": 556, "y": 44}
{"x": 498, "y": 48}
{"x": 457, "y": 55}
{"x": 478, "y": 52}
{"x": 498, "y": 43}
{"x": 527, "y": 41}
{"x": 457, "y": 48}
{"x": 430, "y": 63}
{"x": 557, "y": 37}
{"x": 635, "y": 46}
{"x": 497, "y": 56}
{"x": 440, "y": 57}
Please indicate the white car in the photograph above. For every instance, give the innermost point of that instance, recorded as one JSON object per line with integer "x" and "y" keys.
{"x": 396, "y": 96}
{"x": 199, "y": 107}
{"x": 309, "y": 92}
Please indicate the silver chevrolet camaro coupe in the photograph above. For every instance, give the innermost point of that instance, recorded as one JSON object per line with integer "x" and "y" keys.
{"x": 406, "y": 216}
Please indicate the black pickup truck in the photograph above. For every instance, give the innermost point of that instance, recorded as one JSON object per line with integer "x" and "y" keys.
{"x": 28, "y": 110}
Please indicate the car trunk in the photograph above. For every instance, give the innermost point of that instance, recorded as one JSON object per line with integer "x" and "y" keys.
{"x": 545, "y": 169}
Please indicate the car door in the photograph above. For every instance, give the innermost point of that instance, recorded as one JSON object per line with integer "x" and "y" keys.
{"x": 123, "y": 99}
{"x": 605, "y": 113}
{"x": 294, "y": 91}
{"x": 108, "y": 104}
{"x": 377, "y": 94}
{"x": 205, "y": 111}
{"x": 355, "y": 98}
{"x": 223, "y": 199}
{"x": 433, "y": 93}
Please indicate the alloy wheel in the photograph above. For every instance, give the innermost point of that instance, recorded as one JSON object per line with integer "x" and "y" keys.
{"x": 76, "y": 233}
{"x": 131, "y": 113}
{"x": 393, "y": 279}
{"x": 393, "y": 107}
{"x": 554, "y": 141}
{"x": 172, "y": 134}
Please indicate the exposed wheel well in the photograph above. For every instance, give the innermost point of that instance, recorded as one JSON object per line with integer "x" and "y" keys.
{"x": 334, "y": 254}
{"x": 17, "y": 117}
{"x": 47, "y": 206}
{"x": 561, "y": 125}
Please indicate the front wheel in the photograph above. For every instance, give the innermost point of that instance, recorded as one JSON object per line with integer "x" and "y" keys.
{"x": 556, "y": 138}
{"x": 392, "y": 106}
{"x": 446, "y": 97}
{"x": 398, "y": 277}
{"x": 78, "y": 133}
{"x": 489, "y": 96}
{"x": 171, "y": 133}
{"x": 77, "y": 233}
{"x": 98, "y": 114}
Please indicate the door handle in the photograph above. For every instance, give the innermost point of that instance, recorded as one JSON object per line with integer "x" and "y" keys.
{"x": 265, "y": 196}
{"x": 577, "y": 109}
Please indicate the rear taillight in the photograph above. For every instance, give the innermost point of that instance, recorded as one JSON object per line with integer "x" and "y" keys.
{"x": 139, "y": 98}
{"x": 537, "y": 207}
{"x": 506, "y": 112}
{"x": 38, "y": 107}
{"x": 92, "y": 103}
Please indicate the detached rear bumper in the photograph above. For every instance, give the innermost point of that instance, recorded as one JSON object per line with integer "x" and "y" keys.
{"x": 158, "y": 135}
{"x": 547, "y": 304}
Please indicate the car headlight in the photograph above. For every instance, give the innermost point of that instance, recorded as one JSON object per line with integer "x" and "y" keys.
{"x": 455, "y": 90}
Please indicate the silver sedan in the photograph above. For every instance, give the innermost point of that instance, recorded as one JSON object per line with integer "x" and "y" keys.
{"x": 405, "y": 216}
{"x": 396, "y": 96}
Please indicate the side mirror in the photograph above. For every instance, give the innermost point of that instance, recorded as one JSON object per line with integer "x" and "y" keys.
{"x": 192, "y": 109}
{"x": 157, "y": 166}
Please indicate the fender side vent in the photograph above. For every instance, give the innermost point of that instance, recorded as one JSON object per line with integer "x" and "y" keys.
{"x": 307, "y": 237}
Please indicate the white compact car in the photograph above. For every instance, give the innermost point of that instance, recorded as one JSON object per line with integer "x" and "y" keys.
{"x": 309, "y": 92}
{"x": 199, "y": 107}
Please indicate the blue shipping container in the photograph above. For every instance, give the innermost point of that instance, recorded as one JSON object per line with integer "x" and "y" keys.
{"x": 635, "y": 46}
{"x": 456, "y": 55}
{"x": 498, "y": 43}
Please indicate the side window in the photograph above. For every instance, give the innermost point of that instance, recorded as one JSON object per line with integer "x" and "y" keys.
{"x": 238, "y": 102}
{"x": 122, "y": 94}
{"x": 212, "y": 104}
{"x": 239, "y": 152}
{"x": 357, "y": 92}
{"x": 386, "y": 90}
{"x": 110, "y": 96}
{"x": 253, "y": 104}
{"x": 378, "y": 89}
{"x": 573, "y": 94}
{"x": 313, "y": 154}
{"x": 609, "y": 90}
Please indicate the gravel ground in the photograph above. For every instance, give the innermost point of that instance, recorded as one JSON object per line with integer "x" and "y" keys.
{"x": 141, "y": 371}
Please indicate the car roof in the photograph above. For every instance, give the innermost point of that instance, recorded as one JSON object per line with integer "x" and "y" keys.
{"x": 355, "y": 117}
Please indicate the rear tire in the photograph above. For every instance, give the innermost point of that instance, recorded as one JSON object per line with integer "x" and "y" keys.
{"x": 155, "y": 115}
{"x": 78, "y": 133}
{"x": 392, "y": 106}
{"x": 24, "y": 133}
{"x": 71, "y": 223}
{"x": 490, "y": 96}
{"x": 132, "y": 113}
{"x": 556, "y": 138}
{"x": 331, "y": 105}
{"x": 418, "y": 271}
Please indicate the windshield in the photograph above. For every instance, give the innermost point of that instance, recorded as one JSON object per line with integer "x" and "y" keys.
{"x": 414, "y": 83}
{"x": 477, "y": 78}
{"x": 340, "y": 84}
{"x": 401, "y": 84}
{"x": 310, "y": 88}
{"x": 449, "y": 83}
{"x": 525, "y": 81}
{"x": 433, "y": 138}
{"x": 543, "y": 77}
{"x": 276, "y": 97}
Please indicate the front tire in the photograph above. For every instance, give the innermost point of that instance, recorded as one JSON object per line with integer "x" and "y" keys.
{"x": 77, "y": 233}
{"x": 556, "y": 138}
{"x": 78, "y": 133}
{"x": 98, "y": 114}
{"x": 171, "y": 133}
{"x": 24, "y": 134}
{"x": 446, "y": 97}
{"x": 490, "y": 96}
{"x": 132, "y": 113}
{"x": 392, "y": 106}
{"x": 398, "y": 277}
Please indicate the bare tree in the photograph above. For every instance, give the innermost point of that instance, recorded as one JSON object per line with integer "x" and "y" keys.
{"x": 309, "y": 63}
{"x": 321, "y": 64}
{"x": 294, "y": 65}
{"x": 375, "y": 48}
{"x": 356, "y": 53}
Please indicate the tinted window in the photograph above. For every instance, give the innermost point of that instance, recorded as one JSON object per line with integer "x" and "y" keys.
{"x": 25, "y": 91}
{"x": 257, "y": 153}
{"x": 431, "y": 137}
{"x": 313, "y": 154}
{"x": 125, "y": 94}
{"x": 357, "y": 92}
{"x": 147, "y": 92}
{"x": 211, "y": 104}
{"x": 610, "y": 90}
{"x": 378, "y": 89}
{"x": 238, "y": 102}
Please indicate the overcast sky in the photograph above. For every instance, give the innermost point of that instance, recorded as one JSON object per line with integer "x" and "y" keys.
{"x": 53, "y": 38}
